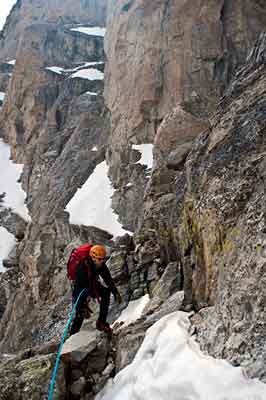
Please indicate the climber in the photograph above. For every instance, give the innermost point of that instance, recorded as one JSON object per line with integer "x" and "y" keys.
{"x": 87, "y": 276}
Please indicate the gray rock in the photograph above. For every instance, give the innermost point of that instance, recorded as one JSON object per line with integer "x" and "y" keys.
{"x": 30, "y": 378}
{"x": 78, "y": 386}
{"x": 223, "y": 229}
{"x": 169, "y": 283}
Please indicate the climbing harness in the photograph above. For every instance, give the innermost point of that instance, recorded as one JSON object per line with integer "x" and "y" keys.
{"x": 52, "y": 383}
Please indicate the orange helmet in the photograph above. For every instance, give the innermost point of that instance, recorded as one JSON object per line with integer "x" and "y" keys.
{"x": 98, "y": 251}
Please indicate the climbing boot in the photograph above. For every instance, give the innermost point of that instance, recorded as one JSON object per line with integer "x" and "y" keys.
{"x": 103, "y": 327}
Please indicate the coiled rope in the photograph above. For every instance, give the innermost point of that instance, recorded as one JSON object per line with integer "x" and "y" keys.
{"x": 52, "y": 383}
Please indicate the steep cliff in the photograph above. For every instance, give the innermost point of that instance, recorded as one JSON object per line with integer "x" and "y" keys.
{"x": 52, "y": 120}
{"x": 168, "y": 64}
{"x": 28, "y": 12}
{"x": 223, "y": 223}
{"x": 182, "y": 130}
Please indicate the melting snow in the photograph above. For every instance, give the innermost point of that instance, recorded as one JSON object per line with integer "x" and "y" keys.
{"x": 91, "y": 204}
{"x": 11, "y": 62}
{"x": 60, "y": 70}
{"x": 91, "y": 74}
{"x": 170, "y": 366}
{"x": 146, "y": 154}
{"x": 2, "y": 96}
{"x": 133, "y": 310}
{"x": 87, "y": 64}
{"x": 92, "y": 31}
{"x": 10, "y": 173}
{"x": 57, "y": 70}
{"x": 5, "y": 10}
{"x": 92, "y": 93}
{"x": 7, "y": 242}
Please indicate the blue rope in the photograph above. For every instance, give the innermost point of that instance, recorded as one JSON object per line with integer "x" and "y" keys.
{"x": 51, "y": 389}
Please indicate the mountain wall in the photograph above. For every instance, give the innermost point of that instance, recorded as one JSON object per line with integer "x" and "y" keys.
{"x": 177, "y": 77}
{"x": 27, "y": 12}
{"x": 168, "y": 64}
{"x": 52, "y": 122}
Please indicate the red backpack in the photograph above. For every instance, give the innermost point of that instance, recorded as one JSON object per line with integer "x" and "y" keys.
{"x": 76, "y": 256}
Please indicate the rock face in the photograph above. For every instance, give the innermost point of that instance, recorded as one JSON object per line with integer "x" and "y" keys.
{"x": 43, "y": 46}
{"x": 52, "y": 123}
{"x": 197, "y": 216}
{"x": 175, "y": 72}
{"x": 162, "y": 55}
{"x": 28, "y": 12}
{"x": 88, "y": 363}
{"x": 167, "y": 53}
{"x": 25, "y": 377}
{"x": 223, "y": 230}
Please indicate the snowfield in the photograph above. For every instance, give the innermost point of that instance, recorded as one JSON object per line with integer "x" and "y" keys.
{"x": 91, "y": 205}
{"x": 84, "y": 65}
{"x": 170, "y": 366}
{"x": 91, "y": 31}
{"x": 10, "y": 174}
{"x": 146, "y": 154}
{"x": 133, "y": 311}
{"x": 7, "y": 242}
{"x": 91, "y": 73}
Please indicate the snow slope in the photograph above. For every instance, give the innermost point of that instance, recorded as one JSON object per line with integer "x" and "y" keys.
{"x": 5, "y": 8}
{"x": 170, "y": 366}
{"x": 90, "y": 73}
{"x": 146, "y": 154}
{"x": 10, "y": 173}
{"x": 7, "y": 242}
{"x": 91, "y": 204}
{"x": 92, "y": 31}
{"x": 133, "y": 311}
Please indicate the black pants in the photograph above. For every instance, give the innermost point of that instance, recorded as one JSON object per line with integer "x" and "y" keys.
{"x": 104, "y": 294}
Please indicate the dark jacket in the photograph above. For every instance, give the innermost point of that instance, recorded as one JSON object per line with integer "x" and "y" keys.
{"x": 87, "y": 277}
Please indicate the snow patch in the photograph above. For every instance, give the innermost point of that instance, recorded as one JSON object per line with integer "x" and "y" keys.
{"x": 92, "y": 93}
{"x": 7, "y": 242}
{"x": 57, "y": 70}
{"x": 10, "y": 173}
{"x": 91, "y": 205}
{"x": 91, "y": 74}
{"x": 11, "y": 62}
{"x": 92, "y": 31}
{"x": 146, "y": 154}
{"x": 88, "y": 64}
{"x": 170, "y": 366}
{"x": 5, "y": 8}
{"x": 95, "y": 148}
{"x": 133, "y": 311}
{"x": 60, "y": 70}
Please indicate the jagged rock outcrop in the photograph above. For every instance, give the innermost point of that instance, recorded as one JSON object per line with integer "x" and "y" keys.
{"x": 88, "y": 363}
